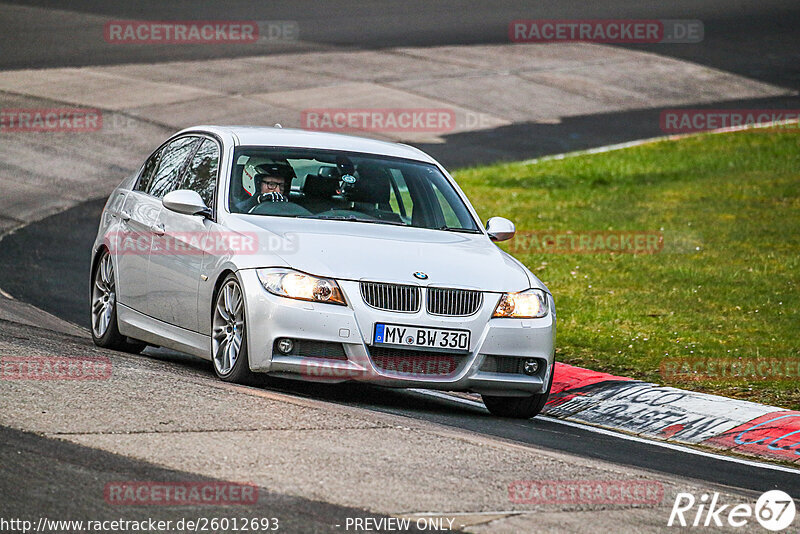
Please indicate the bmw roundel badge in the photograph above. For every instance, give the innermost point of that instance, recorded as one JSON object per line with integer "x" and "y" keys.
{"x": 420, "y": 275}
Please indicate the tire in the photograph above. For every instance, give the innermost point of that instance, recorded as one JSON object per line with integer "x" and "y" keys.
{"x": 229, "y": 334}
{"x": 518, "y": 407}
{"x": 103, "y": 310}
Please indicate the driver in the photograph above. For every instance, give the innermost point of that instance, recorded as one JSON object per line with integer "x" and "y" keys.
{"x": 271, "y": 181}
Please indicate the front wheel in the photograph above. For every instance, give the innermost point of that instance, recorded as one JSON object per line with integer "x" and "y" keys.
{"x": 228, "y": 334}
{"x": 105, "y": 332}
{"x": 519, "y": 407}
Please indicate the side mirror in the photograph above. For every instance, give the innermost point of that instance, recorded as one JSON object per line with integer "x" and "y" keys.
{"x": 186, "y": 202}
{"x": 500, "y": 229}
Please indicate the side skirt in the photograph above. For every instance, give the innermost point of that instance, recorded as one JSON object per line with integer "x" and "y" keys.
{"x": 145, "y": 328}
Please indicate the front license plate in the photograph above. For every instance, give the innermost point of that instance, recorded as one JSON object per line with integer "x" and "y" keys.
{"x": 422, "y": 337}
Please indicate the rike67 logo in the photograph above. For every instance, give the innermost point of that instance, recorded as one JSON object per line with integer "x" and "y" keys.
{"x": 774, "y": 510}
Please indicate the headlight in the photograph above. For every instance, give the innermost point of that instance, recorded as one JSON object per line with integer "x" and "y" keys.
{"x": 530, "y": 304}
{"x": 301, "y": 286}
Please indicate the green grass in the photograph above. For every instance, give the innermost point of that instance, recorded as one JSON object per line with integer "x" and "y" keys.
{"x": 724, "y": 286}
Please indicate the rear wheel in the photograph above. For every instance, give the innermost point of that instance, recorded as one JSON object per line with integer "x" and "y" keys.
{"x": 518, "y": 407}
{"x": 228, "y": 334}
{"x": 105, "y": 332}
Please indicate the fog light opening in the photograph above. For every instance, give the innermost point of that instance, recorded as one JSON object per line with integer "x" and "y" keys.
{"x": 285, "y": 345}
{"x": 530, "y": 367}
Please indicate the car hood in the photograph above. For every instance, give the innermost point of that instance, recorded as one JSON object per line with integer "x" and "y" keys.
{"x": 361, "y": 251}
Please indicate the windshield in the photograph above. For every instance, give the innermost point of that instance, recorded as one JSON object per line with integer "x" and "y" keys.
{"x": 322, "y": 184}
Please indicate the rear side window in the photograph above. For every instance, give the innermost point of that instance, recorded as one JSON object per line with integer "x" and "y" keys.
{"x": 201, "y": 176}
{"x": 173, "y": 158}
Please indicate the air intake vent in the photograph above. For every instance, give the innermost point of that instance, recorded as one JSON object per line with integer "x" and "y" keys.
{"x": 502, "y": 364}
{"x": 453, "y": 302}
{"x": 391, "y": 297}
{"x": 412, "y": 363}
{"x": 308, "y": 348}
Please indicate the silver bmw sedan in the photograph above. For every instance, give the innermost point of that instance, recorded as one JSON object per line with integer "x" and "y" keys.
{"x": 320, "y": 257}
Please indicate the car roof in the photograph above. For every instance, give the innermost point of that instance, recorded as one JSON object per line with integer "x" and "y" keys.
{"x": 290, "y": 137}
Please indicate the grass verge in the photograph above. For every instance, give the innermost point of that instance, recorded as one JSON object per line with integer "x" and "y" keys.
{"x": 721, "y": 291}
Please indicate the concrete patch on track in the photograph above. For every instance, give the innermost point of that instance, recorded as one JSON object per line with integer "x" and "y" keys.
{"x": 674, "y": 415}
{"x": 91, "y": 87}
{"x": 43, "y": 173}
{"x": 20, "y": 312}
{"x": 372, "y": 96}
{"x": 496, "y": 84}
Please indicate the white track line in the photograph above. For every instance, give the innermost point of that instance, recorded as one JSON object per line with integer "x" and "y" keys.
{"x": 619, "y": 435}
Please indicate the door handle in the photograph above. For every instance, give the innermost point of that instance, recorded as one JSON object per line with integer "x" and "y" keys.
{"x": 158, "y": 229}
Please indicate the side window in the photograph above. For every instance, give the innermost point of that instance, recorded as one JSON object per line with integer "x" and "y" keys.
{"x": 450, "y": 217}
{"x": 201, "y": 176}
{"x": 403, "y": 204}
{"x": 147, "y": 171}
{"x": 453, "y": 211}
{"x": 173, "y": 157}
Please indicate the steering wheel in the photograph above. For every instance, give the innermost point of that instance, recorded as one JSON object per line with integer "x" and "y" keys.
{"x": 279, "y": 208}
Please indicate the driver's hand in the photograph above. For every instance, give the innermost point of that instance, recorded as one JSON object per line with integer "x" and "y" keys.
{"x": 272, "y": 197}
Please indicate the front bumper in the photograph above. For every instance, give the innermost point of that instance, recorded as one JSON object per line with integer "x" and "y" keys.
{"x": 271, "y": 317}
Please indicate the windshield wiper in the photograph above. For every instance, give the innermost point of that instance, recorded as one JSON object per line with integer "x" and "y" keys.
{"x": 351, "y": 218}
{"x": 463, "y": 230}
